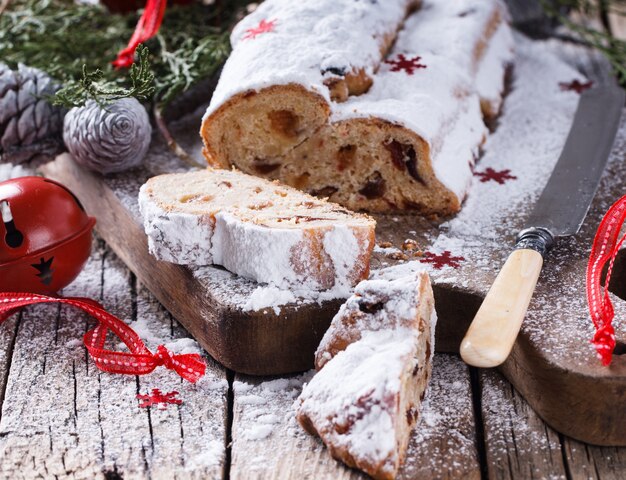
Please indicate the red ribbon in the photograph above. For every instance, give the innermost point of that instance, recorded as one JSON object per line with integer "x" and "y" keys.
{"x": 139, "y": 361}
{"x": 605, "y": 247}
{"x": 147, "y": 27}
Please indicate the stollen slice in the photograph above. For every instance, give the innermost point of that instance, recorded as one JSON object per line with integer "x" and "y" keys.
{"x": 374, "y": 365}
{"x": 255, "y": 228}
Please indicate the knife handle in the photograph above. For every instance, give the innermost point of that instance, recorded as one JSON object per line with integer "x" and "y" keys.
{"x": 493, "y": 331}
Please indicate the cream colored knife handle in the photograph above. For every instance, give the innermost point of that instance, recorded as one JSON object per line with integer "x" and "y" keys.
{"x": 494, "y": 329}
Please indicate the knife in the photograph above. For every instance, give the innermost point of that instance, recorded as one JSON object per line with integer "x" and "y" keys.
{"x": 558, "y": 213}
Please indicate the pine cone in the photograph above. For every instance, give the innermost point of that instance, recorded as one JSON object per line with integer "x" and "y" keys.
{"x": 29, "y": 125}
{"x": 110, "y": 139}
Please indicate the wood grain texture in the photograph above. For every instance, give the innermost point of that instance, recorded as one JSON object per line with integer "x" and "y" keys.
{"x": 518, "y": 443}
{"x": 591, "y": 462}
{"x": 267, "y": 442}
{"x": 61, "y": 417}
{"x": 444, "y": 444}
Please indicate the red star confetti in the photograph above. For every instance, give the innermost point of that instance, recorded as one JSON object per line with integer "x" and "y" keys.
{"x": 497, "y": 176}
{"x": 440, "y": 260}
{"x": 261, "y": 28}
{"x": 409, "y": 65}
{"x": 158, "y": 398}
{"x": 575, "y": 86}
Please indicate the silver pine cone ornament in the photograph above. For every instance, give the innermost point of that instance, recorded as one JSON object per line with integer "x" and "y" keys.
{"x": 29, "y": 125}
{"x": 108, "y": 139}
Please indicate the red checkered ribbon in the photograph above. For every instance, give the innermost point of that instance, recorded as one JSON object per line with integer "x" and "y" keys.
{"x": 605, "y": 247}
{"x": 138, "y": 361}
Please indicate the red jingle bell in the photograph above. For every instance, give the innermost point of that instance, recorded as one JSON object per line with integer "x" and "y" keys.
{"x": 45, "y": 236}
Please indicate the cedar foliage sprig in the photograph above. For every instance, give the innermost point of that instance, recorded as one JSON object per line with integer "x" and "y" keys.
{"x": 613, "y": 48}
{"x": 93, "y": 86}
{"x": 76, "y": 43}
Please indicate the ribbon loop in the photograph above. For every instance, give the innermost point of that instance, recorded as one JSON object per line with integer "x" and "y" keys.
{"x": 606, "y": 245}
{"x": 147, "y": 27}
{"x": 139, "y": 361}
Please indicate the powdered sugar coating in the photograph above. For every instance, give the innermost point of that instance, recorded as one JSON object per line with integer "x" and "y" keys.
{"x": 369, "y": 369}
{"x": 257, "y": 252}
{"x": 491, "y": 74}
{"x": 358, "y": 401}
{"x": 305, "y": 47}
{"x": 441, "y": 102}
{"x": 342, "y": 247}
{"x": 256, "y": 229}
{"x": 177, "y": 237}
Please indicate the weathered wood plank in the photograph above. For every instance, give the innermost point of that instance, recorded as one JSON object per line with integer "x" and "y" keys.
{"x": 267, "y": 442}
{"x": 591, "y": 462}
{"x": 187, "y": 442}
{"x": 62, "y": 417}
{"x": 518, "y": 443}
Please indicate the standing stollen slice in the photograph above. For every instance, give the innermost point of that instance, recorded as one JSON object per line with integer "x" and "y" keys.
{"x": 375, "y": 362}
{"x": 255, "y": 228}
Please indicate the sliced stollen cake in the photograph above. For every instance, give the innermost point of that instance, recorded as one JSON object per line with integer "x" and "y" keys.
{"x": 255, "y": 228}
{"x": 374, "y": 365}
{"x": 408, "y": 141}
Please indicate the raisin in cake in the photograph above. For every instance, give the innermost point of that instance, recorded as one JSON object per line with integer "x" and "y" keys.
{"x": 255, "y": 228}
{"x": 374, "y": 365}
{"x": 406, "y": 142}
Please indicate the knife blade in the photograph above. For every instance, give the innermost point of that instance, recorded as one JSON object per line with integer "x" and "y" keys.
{"x": 559, "y": 212}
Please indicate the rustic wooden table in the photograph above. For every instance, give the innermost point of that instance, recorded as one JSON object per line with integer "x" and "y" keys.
{"x": 63, "y": 418}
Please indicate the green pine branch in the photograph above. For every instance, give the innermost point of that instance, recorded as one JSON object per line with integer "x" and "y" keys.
{"x": 93, "y": 86}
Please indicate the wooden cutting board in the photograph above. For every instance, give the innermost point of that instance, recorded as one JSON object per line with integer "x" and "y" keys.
{"x": 552, "y": 364}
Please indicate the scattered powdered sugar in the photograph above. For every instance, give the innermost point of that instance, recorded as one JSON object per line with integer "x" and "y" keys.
{"x": 74, "y": 343}
{"x": 510, "y": 421}
{"x": 443, "y": 443}
{"x": 269, "y": 296}
{"x": 264, "y": 407}
{"x": 212, "y": 455}
{"x": 386, "y": 250}
{"x": 184, "y": 345}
